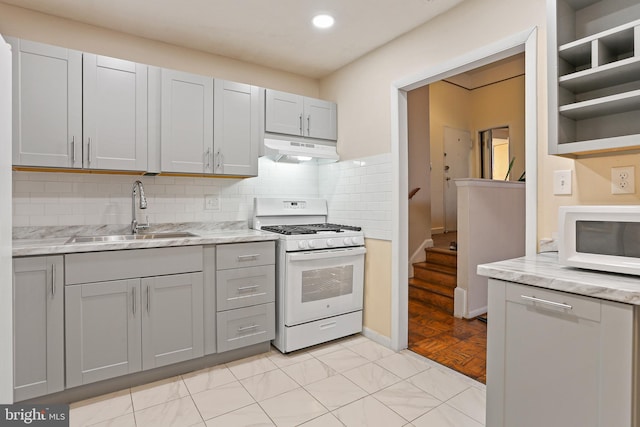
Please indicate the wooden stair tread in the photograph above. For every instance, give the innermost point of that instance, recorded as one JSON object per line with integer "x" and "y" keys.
{"x": 447, "y": 269}
{"x": 441, "y": 256}
{"x": 429, "y": 298}
{"x": 437, "y": 288}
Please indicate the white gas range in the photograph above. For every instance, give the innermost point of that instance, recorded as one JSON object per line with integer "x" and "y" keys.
{"x": 320, "y": 272}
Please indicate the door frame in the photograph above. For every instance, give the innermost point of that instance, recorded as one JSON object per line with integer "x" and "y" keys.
{"x": 525, "y": 41}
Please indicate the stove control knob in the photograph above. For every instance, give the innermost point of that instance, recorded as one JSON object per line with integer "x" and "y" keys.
{"x": 302, "y": 244}
{"x": 312, "y": 244}
{"x": 331, "y": 242}
{"x": 358, "y": 241}
{"x": 348, "y": 241}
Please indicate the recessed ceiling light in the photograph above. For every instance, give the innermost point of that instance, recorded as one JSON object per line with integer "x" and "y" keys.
{"x": 323, "y": 21}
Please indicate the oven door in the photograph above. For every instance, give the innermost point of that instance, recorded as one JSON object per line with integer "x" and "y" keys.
{"x": 324, "y": 283}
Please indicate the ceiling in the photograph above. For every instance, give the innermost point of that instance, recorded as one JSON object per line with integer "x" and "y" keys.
{"x": 273, "y": 33}
{"x": 501, "y": 70}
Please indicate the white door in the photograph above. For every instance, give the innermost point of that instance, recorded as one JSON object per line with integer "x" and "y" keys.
{"x": 114, "y": 113}
{"x": 457, "y": 148}
{"x": 47, "y": 105}
{"x": 320, "y": 119}
{"x": 186, "y": 110}
{"x": 236, "y": 126}
{"x": 283, "y": 112}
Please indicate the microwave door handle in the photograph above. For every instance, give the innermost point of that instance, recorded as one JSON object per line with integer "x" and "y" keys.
{"x": 336, "y": 253}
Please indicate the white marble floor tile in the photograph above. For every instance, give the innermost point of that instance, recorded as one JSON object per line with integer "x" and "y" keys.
{"x": 101, "y": 408}
{"x": 309, "y": 371}
{"x": 368, "y": 412}
{"x": 471, "y": 402}
{"x": 325, "y": 348}
{"x": 326, "y": 420}
{"x": 206, "y": 379}
{"x": 282, "y": 360}
{"x": 127, "y": 420}
{"x": 407, "y": 400}
{"x": 158, "y": 392}
{"x": 335, "y": 391}
{"x": 371, "y": 350}
{"x": 176, "y": 413}
{"x": 439, "y": 384}
{"x": 353, "y": 339}
{"x": 403, "y": 364}
{"x": 222, "y": 399}
{"x": 445, "y": 416}
{"x": 251, "y": 415}
{"x": 268, "y": 384}
{"x": 292, "y": 408}
{"x": 371, "y": 377}
{"x": 250, "y": 366}
{"x": 342, "y": 360}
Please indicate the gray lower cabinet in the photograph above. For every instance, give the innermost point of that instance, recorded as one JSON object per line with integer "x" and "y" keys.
{"x": 38, "y": 328}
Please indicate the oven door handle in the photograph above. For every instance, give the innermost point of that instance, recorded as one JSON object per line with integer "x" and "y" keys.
{"x": 332, "y": 253}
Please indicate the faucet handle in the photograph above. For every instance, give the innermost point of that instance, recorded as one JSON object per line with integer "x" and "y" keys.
{"x": 144, "y": 226}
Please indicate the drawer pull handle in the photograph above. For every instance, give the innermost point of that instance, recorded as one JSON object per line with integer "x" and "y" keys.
{"x": 544, "y": 301}
{"x": 53, "y": 280}
{"x": 247, "y": 328}
{"x": 247, "y": 288}
{"x": 248, "y": 257}
{"x": 133, "y": 298}
{"x": 328, "y": 325}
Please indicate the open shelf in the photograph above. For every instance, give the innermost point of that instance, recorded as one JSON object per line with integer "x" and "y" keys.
{"x": 613, "y": 104}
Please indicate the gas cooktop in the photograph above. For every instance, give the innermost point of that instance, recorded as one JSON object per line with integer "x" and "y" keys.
{"x": 309, "y": 228}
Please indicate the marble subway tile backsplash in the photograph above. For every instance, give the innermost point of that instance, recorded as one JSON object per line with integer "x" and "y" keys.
{"x": 358, "y": 191}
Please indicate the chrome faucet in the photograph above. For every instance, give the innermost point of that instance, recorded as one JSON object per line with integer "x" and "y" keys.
{"x": 135, "y": 227}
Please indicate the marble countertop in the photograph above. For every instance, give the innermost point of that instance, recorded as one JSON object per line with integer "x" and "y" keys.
{"x": 544, "y": 271}
{"x": 53, "y": 241}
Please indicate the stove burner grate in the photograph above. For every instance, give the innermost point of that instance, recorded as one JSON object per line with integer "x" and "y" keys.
{"x": 309, "y": 228}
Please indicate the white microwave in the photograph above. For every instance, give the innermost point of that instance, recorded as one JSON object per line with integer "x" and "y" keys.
{"x": 605, "y": 238}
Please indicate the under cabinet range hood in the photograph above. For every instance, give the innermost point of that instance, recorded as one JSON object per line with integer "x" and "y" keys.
{"x": 291, "y": 151}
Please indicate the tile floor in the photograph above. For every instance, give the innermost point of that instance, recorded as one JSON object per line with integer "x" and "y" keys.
{"x": 348, "y": 382}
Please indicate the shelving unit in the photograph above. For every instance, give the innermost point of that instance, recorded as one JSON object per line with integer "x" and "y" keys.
{"x": 594, "y": 76}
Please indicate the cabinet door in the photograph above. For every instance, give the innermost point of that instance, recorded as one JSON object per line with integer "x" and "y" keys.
{"x": 102, "y": 325}
{"x": 38, "y": 326}
{"x": 236, "y": 127}
{"x": 283, "y": 112}
{"x": 114, "y": 113}
{"x": 320, "y": 119}
{"x": 47, "y": 105}
{"x": 186, "y": 138}
{"x": 172, "y": 322}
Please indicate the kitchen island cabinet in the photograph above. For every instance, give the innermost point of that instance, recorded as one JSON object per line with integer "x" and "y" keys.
{"x": 555, "y": 355}
{"x": 38, "y": 329}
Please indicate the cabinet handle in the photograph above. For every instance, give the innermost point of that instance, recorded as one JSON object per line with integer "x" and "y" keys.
{"x": 247, "y": 288}
{"x": 73, "y": 150}
{"x": 89, "y": 151}
{"x": 133, "y": 297}
{"x": 53, "y": 280}
{"x": 207, "y": 155}
{"x": 544, "y": 301}
{"x": 148, "y": 299}
{"x": 328, "y": 325}
{"x": 219, "y": 160}
{"x": 309, "y": 125}
{"x": 247, "y": 328}
{"x": 248, "y": 257}
{"x": 301, "y": 132}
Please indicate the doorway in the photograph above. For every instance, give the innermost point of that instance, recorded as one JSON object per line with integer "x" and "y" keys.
{"x": 520, "y": 42}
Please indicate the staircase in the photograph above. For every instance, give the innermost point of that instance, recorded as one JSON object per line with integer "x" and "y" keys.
{"x": 434, "y": 280}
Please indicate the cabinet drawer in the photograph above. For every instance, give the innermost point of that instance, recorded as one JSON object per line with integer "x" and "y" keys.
{"x": 246, "y": 326}
{"x": 243, "y": 287}
{"x": 553, "y": 301}
{"x": 239, "y": 255}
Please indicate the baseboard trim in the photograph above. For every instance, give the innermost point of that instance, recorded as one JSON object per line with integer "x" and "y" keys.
{"x": 459, "y": 302}
{"x": 375, "y": 336}
{"x": 437, "y": 230}
{"x": 477, "y": 312}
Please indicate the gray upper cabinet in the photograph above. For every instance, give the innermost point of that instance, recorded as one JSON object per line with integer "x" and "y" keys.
{"x": 172, "y": 322}
{"x": 291, "y": 114}
{"x": 47, "y": 105}
{"x": 102, "y": 330}
{"x": 236, "y": 128}
{"x": 115, "y": 113}
{"x": 38, "y": 328}
{"x": 594, "y": 76}
{"x": 186, "y": 110}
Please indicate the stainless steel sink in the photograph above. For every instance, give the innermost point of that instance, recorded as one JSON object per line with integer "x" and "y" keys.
{"x": 128, "y": 237}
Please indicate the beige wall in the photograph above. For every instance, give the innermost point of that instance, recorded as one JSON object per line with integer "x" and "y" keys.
{"x": 377, "y": 292}
{"x": 22, "y": 23}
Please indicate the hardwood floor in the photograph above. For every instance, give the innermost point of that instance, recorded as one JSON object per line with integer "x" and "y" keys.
{"x": 459, "y": 344}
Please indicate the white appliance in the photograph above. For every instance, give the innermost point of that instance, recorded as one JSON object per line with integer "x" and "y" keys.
{"x": 605, "y": 238}
{"x": 320, "y": 272}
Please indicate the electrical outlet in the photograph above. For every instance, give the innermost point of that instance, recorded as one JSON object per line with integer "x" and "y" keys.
{"x": 211, "y": 202}
{"x": 623, "y": 180}
{"x": 562, "y": 183}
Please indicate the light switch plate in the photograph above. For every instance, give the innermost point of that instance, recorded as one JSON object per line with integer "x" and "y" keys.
{"x": 623, "y": 180}
{"x": 562, "y": 183}
{"x": 211, "y": 202}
